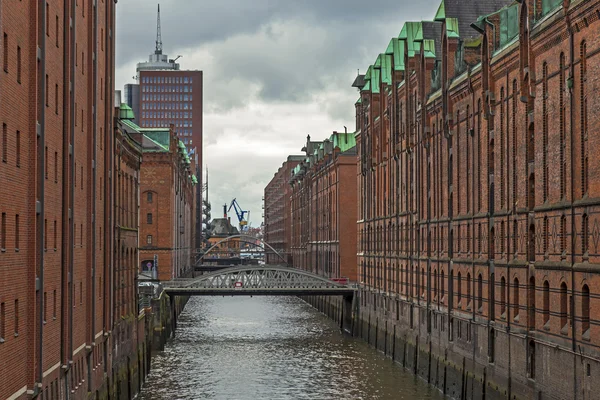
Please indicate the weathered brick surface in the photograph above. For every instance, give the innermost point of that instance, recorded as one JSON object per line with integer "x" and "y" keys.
{"x": 323, "y": 211}
{"x": 81, "y": 282}
{"x": 486, "y": 223}
{"x": 277, "y": 211}
{"x": 172, "y": 208}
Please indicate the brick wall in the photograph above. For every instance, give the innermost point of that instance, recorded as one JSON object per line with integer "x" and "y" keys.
{"x": 484, "y": 225}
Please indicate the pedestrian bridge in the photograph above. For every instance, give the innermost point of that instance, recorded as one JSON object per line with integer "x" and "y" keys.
{"x": 258, "y": 280}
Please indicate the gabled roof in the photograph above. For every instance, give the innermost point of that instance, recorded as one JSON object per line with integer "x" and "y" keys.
{"x": 468, "y": 11}
{"x": 412, "y": 33}
{"x": 344, "y": 141}
{"x": 396, "y": 50}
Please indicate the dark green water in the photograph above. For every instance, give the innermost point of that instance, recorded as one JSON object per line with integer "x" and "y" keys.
{"x": 271, "y": 348}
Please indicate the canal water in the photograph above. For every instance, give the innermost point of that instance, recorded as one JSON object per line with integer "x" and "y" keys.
{"x": 239, "y": 348}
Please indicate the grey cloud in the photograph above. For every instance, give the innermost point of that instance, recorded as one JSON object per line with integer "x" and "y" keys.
{"x": 274, "y": 71}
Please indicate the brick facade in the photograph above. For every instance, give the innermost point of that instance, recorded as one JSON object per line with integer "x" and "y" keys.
{"x": 56, "y": 110}
{"x": 323, "y": 208}
{"x": 167, "y": 213}
{"x": 478, "y": 194}
{"x": 277, "y": 209}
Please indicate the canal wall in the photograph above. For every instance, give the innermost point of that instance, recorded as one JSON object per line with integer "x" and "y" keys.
{"x": 132, "y": 356}
{"x": 400, "y": 336}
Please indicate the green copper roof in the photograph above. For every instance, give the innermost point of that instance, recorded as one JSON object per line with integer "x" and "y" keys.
{"x": 386, "y": 68}
{"x": 396, "y": 50}
{"x": 125, "y": 112}
{"x": 359, "y": 101}
{"x": 440, "y": 15}
{"x": 452, "y": 28}
{"x": 509, "y": 23}
{"x": 344, "y": 141}
{"x": 412, "y": 33}
{"x": 549, "y": 5}
{"x": 376, "y": 80}
{"x": 429, "y": 48}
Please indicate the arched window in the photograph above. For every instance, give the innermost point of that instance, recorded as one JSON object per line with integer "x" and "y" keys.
{"x": 516, "y": 298}
{"x": 563, "y": 305}
{"x": 435, "y": 284}
{"x": 585, "y": 311}
{"x": 468, "y": 289}
{"x": 531, "y": 309}
{"x": 584, "y": 234}
{"x": 503, "y": 297}
{"x": 480, "y": 293}
{"x": 459, "y": 289}
{"x": 546, "y": 302}
{"x": 443, "y": 285}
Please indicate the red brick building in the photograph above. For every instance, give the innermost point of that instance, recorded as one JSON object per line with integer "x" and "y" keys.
{"x": 167, "y": 187}
{"x": 479, "y": 196}
{"x": 277, "y": 205}
{"x": 56, "y": 111}
{"x": 323, "y": 208}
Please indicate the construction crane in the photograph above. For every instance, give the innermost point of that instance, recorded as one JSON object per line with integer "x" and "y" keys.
{"x": 241, "y": 214}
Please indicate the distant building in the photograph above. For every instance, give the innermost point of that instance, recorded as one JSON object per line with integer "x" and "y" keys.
{"x": 165, "y": 95}
{"x": 167, "y": 185}
{"x": 126, "y": 188}
{"x": 323, "y": 208}
{"x": 277, "y": 206}
{"x": 221, "y": 229}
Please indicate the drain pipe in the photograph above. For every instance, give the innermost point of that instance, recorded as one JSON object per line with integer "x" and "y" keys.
{"x": 72, "y": 186}
{"x": 571, "y": 87}
{"x": 41, "y": 199}
{"x": 94, "y": 182}
{"x": 64, "y": 199}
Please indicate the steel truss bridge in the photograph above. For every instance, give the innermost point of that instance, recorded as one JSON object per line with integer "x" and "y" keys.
{"x": 257, "y": 280}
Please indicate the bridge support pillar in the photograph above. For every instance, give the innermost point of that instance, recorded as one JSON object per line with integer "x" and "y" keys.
{"x": 347, "y": 311}
{"x": 173, "y": 315}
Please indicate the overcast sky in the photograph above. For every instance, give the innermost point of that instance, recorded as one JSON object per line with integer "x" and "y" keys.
{"x": 274, "y": 71}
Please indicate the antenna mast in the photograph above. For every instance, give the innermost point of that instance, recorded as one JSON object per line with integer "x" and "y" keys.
{"x": 158, "y": 34}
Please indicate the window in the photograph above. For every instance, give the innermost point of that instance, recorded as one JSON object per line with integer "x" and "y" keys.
{"x": 56, "y": 99}
{"x": 459, "y": 291}
{"x": 3, "y": 238}
{"x": 47, "y": 19}
{"x": 2, "y": 322}
{"x": 516, "y": 298}
{"x": 54, "y": 233}
{"x": 18, "y": 150}
{"x": 531, "y": 306}
{"x": 4, "y": 142}
{"x": 584, "y": 234}
{"x": 149, "y": 239}
{"x": 546, "y": 302}
{"x": 16, "y": 317}
{"x": 19, "y": 64}
{"x": 468, "y": 289}
{"x": 563, "y": 306}
{"x": 503, "y": 297}
{"x": 585, "y": 311}
{"x": 5, "y": 61}
{"x": 17, "y": 232}
{"x": 149, "y": 197}
{"x": 480, "y": 293}
{"x": 149, "y": 218}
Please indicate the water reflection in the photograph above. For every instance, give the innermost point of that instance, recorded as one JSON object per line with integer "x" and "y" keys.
{"x": 271, "y": 348}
